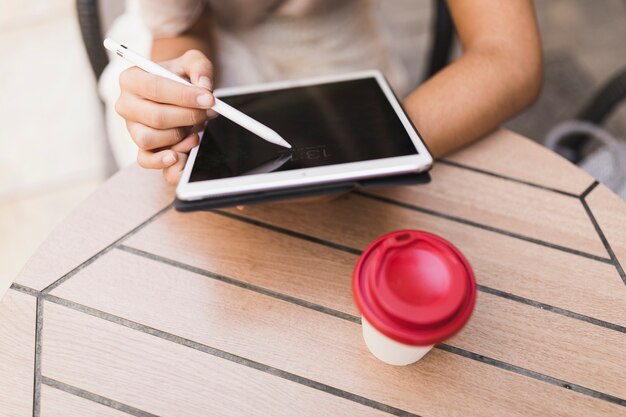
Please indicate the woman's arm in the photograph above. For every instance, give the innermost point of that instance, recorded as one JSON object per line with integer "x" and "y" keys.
{"x": 498, "y": 75}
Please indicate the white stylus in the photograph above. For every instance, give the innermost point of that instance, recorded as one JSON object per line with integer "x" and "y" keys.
{"x": 220, "y": 107}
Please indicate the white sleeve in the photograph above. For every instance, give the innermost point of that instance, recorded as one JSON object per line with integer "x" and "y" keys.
{"x": 168, "y": 18}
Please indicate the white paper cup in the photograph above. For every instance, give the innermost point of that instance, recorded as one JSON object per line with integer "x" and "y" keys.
{"x": 413, "y": 290}
{"x": 389, "y": 350}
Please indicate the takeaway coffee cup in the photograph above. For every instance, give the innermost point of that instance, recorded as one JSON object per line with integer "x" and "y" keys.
{"x": 413, "y": 290}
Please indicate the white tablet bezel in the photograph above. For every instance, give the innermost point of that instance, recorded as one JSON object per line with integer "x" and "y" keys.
{"x": 309, "y": 176}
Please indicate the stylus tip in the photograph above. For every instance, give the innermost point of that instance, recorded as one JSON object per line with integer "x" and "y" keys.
{"x": 282, "y": 142}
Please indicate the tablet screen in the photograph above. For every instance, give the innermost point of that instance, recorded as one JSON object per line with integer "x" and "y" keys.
{"x": 326, "y": 124}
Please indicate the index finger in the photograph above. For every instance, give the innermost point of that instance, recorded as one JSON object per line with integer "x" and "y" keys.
{"x": 163, "y": 90}
{"x": 197, "y": 67}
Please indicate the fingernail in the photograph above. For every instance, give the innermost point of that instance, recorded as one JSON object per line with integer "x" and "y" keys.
{"x": 169, "y": 159}
{"x": 205, "y": 100}
{"x": 205, "y": 82}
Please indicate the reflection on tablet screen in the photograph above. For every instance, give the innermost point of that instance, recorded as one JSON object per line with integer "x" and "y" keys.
{"x": 334, "y": 123}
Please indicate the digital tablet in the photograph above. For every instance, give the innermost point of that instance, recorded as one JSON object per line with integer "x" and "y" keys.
{"x": 341, "y": 128}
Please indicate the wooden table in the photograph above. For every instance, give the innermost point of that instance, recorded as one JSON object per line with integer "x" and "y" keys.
{"x": 130, "y": 308}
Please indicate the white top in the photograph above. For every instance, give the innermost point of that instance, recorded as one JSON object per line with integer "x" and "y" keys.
{"x": 171, "y": 17}
{"x": 272, "y": 40}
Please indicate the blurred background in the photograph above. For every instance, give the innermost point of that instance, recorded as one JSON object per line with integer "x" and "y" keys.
{"x": 54, "y": 149}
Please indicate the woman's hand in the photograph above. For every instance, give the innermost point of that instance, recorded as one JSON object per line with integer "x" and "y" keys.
{"x": 163, "y": 116}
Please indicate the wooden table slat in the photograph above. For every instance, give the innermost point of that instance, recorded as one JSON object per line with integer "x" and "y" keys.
{"x": 501, "y": 262}
{"x": 287, "y": 265}
{"x": 500, "y": 204}
{"x": 135, "y": 368}
{"x": 249, "y": 324}
{"x": 56, "y": 403}
{"x": 610, "y": 212}
{"x": 17, "y": 346}
{"x": 509, "y": 154}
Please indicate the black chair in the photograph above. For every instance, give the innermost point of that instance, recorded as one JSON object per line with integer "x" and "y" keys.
{"x": 92, "y": 33}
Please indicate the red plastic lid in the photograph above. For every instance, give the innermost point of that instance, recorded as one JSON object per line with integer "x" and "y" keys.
{"x": 414, "y": 287}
